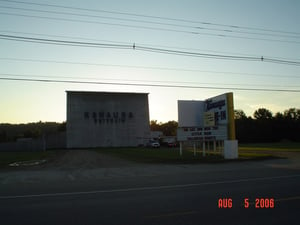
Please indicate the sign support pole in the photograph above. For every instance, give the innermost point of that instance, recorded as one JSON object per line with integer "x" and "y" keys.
{"x": 180, "y": 148}
{"x": 230, "y": 109}
{"x": 215, "y": 146}
{"x": 203, "y": 150}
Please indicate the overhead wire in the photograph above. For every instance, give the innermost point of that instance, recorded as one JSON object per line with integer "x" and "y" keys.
{"x": 119, "y": 42}
{"x": 232, "y": 26}
{"x": 148, "y": 85}
{"x": 60, "y": 36}
{"x": 89, "y": 78}
{"x": 63, "y": 42}
{"x": 195, "y": 30}
{"x": 192, "y": 32}
{"x": 107, "y": 23}
{"x": 152, "y": 22}
{"x": 101, "y": 17}
{"x": 127, "y": 43}
{"x": 196, "y": 54}
{"x": 146, "y": 49}
{"x": 150, "y": 67}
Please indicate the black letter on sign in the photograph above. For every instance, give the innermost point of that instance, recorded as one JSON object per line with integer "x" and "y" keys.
{"x": 130, "y": 115}
{"x": 86, "y": 115}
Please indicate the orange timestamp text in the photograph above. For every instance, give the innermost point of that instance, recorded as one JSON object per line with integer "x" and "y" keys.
{"x": 259, "y": 203}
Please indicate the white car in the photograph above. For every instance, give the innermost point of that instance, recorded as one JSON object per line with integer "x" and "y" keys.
{"x": 154, "y": 144}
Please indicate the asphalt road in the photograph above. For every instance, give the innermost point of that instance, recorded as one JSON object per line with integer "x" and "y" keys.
{"x": 156, "y": 194}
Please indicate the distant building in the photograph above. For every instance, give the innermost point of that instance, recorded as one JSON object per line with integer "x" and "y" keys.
{"x": 156, "y": 135}
{"x": 107, "y": 119}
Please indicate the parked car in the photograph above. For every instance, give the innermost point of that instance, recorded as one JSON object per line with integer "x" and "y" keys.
{"x": 153, "y": 144}
{"x": 171, "y": 144}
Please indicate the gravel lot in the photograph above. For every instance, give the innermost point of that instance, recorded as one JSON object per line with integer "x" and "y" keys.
{"x": 85, "y": 159}
{"x": 87, "y": 166}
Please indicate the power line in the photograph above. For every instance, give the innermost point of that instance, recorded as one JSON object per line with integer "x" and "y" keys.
{"x": 106, "y": 23}
{"x": 95, "y": 79}
{"x": 232, "y": 26}
{"x": 62, "y": 36}
{"x": 118, "y": 42}
{"x": 195, "y": 28}
{"x": 149, "y": 85}
{"x": 196, "y": 54}
{"x": 127, "y": 43}
{"x": 146, "y": 49}
{"x": 111, "y": 24}
{"x": 63, "y": 42}
{"x": 196, "y": 32}
{"x": 150, "y": 68}
{"x": 102, "y": 17}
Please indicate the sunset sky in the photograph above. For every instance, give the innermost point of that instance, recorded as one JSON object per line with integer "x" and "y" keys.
{"x": 173, "y": 50}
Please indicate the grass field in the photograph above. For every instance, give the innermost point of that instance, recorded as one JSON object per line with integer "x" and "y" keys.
{"x": 165, "y": 155}
{"x": 280, "y": 146}
{"x": 258, "y": 151}
{"x": 161, "y": 155}
{"x": 171, "y": 155}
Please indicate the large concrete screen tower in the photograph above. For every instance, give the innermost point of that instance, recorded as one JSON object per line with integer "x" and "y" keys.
{"x": 105, "y": 119}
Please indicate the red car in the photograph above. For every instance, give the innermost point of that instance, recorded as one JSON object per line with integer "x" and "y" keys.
{"x": 171, "y": 144}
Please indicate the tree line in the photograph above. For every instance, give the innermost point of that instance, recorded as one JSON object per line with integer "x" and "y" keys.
{"x": 12, "y": 132}
{"x": 266, "y": 127}
{"x": 262, "y": 127}
{"x": 168, "y": 129}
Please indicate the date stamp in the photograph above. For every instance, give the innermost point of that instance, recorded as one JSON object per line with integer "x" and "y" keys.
{"x": 257, "y": 203}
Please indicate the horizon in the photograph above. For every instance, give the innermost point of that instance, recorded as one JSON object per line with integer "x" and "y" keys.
{"x": 158, "y": 122}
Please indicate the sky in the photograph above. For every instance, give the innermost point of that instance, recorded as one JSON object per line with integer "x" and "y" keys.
{"x": 250, "y": 48}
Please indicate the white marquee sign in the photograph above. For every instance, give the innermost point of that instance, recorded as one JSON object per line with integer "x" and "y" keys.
{"x": 211, "y": 119}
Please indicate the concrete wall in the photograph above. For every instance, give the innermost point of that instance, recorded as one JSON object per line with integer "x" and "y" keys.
{"x": 104, "y": 119}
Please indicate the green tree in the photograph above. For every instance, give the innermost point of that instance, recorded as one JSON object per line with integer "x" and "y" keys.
{"x": 239, "y": 114}
{"x": 62, "y": 127}
{"x": 262, "y": 114}
{"x": 169, "y": 128}
{"x": 154, "y": 126}
{"x": 279, "y": 116}
{"x": 292, "y": 114}
{"x": 3, "y": 136}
